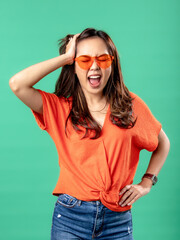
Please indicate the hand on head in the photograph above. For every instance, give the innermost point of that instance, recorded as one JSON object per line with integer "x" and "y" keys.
{"x": 70, "y": 48}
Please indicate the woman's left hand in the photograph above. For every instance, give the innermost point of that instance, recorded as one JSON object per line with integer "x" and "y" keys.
{"x": 133, "y": 192}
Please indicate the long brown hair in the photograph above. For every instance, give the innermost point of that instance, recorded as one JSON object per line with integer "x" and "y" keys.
{"x": 115, "y": 91}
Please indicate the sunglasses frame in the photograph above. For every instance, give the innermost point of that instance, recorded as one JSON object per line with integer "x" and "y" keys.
{"x": 92, "y": 59}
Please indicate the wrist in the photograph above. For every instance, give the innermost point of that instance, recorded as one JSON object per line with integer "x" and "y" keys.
{"x": 68, "y": 59}
{"x": 151, "y": 176}
{"x": 146, "y": 182}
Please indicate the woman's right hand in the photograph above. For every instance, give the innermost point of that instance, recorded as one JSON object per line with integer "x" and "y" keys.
{"x": 70, "y": 48}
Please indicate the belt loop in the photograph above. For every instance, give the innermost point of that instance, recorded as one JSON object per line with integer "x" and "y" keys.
{"x": 79, "y": 203}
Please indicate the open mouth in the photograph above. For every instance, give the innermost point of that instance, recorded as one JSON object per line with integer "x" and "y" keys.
{"x": 94, "y": 81}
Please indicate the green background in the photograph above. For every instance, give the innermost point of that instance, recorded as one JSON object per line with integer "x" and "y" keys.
{"x": 147, "y": 36}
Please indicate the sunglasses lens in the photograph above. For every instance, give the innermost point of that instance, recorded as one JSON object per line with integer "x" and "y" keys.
{"x": 103, "y": 61}
{"x": 84, "y": 62}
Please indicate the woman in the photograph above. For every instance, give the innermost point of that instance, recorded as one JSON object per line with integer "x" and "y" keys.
{"x": 99, "y": 128}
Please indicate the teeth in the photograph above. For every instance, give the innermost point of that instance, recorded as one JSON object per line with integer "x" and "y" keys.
{"x": 94, "y": 77}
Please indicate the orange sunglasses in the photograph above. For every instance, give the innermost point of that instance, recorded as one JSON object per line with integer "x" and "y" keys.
{"x": 103, "y": 61}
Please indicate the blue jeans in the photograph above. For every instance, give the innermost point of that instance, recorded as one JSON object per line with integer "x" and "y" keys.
{"x": 87, "y": 220}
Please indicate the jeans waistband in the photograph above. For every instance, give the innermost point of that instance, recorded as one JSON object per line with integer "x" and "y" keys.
{"x": 95, "y": 202}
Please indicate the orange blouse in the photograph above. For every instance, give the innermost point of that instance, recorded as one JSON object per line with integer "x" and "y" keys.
{"x": 97, "y": 169}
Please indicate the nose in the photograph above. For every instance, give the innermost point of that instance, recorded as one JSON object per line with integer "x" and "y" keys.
{"x": 94, "y": 65}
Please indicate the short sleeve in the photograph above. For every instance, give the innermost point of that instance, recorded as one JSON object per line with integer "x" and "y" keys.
{"x": 147, "y": 127}
{"x": 48, "y": 117}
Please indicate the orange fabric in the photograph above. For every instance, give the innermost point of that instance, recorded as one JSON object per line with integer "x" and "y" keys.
{"x": 97, "y": 169}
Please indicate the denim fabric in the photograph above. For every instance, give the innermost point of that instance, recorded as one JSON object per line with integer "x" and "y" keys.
{"x": 86, "y": 220}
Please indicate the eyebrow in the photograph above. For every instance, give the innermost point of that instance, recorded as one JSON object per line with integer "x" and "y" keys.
{"x": 89, "y": 55}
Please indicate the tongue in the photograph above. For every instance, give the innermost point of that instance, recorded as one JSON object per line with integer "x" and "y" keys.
{"x": 94, "y": 81}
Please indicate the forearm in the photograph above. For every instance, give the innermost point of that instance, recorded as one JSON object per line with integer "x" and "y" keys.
{"x": 158, "y": 158}
{"x": 31, "y": 75}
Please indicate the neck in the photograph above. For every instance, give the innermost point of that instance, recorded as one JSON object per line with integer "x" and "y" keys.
{"x": 96, "y": 101}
